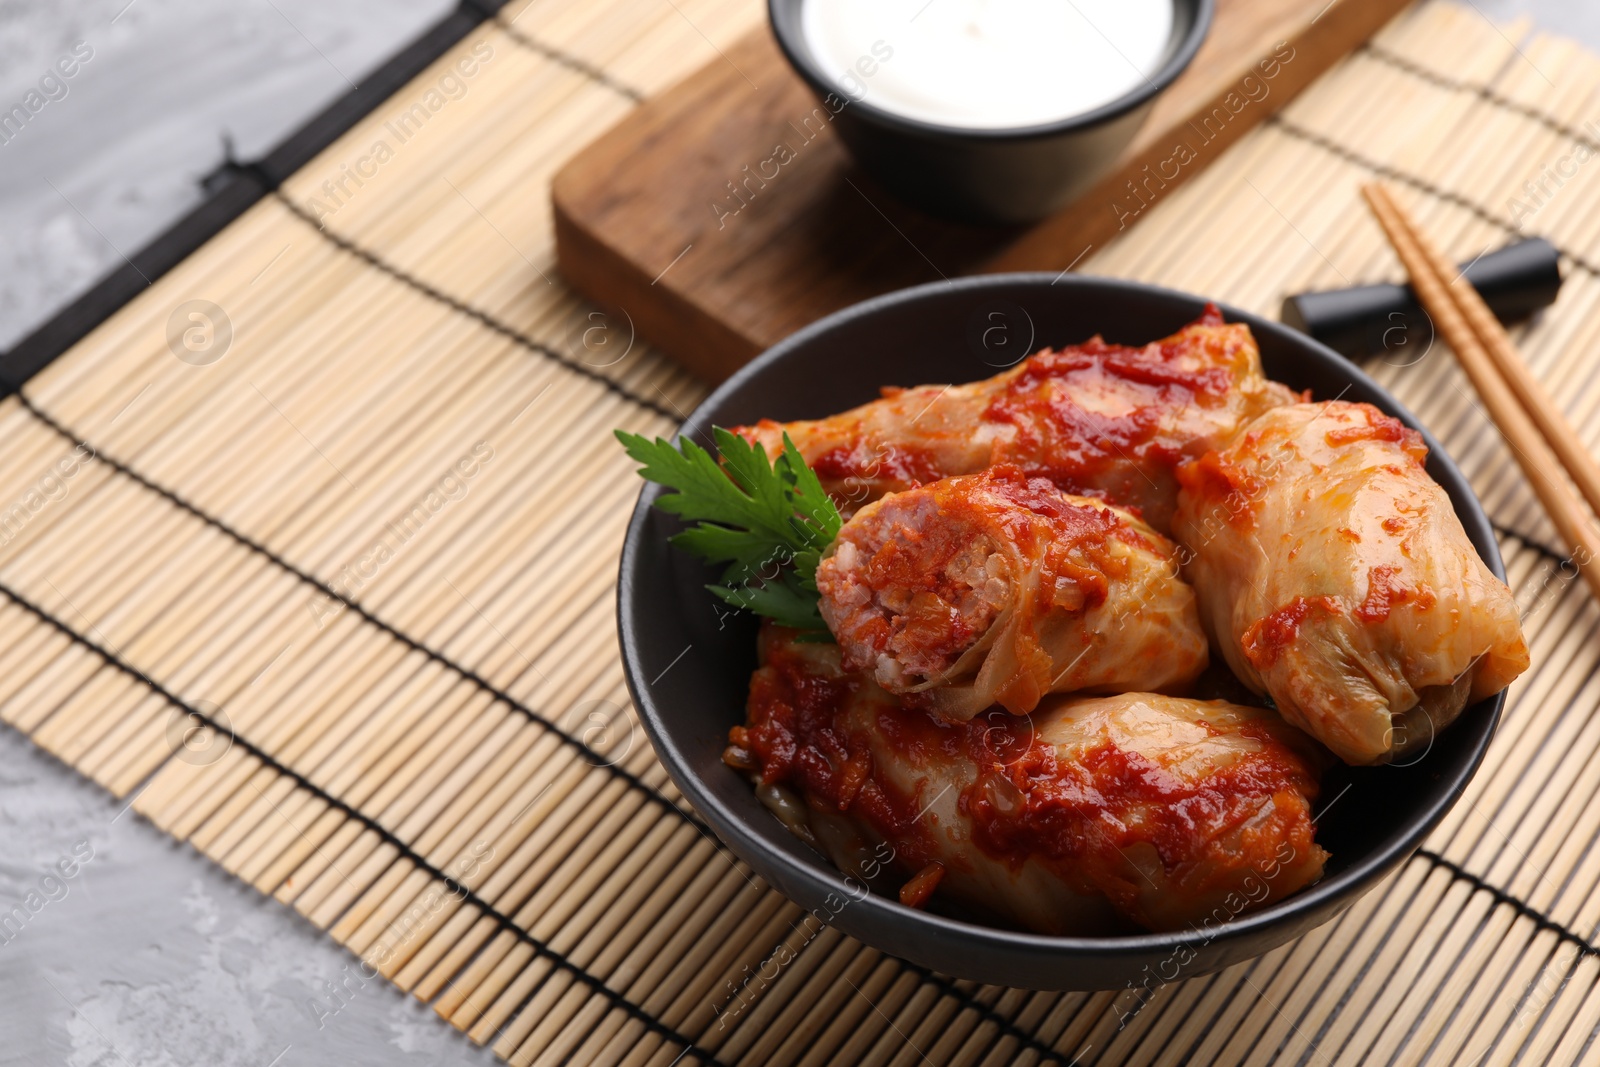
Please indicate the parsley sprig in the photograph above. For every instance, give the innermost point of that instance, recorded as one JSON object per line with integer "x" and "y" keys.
{"x": 768, "y": 521}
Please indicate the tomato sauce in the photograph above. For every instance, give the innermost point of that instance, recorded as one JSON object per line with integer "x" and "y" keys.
{"x": 1072, "y": 442}
{"x": 1231, "y": 484}
{"x": 1087, "y": 811}
{"x": 1022, "y": 800}
{"x": 1096, "y": 418}
{"x": 794, "y": 731}
{"x": 1380, "y": 427}
{"x": 900, "y": 462}
{"x": 1384, "y": 594}
{"x": 1266, "y": 638}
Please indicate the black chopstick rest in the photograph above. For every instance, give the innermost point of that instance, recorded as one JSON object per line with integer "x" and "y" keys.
{"x": 1515, "y": 282}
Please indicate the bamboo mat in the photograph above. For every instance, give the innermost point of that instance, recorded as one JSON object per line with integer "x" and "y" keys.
{"x": 330, "y": 596}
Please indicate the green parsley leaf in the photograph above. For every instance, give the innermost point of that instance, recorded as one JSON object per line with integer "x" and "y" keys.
{"x": 767, "y": 521}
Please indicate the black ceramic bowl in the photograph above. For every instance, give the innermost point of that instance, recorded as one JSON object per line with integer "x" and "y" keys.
{"x": 689, "y": 672}
{"x": 988, "y": 176}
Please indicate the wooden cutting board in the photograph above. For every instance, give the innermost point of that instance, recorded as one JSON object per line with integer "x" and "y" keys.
{"x": 661, "y": 219}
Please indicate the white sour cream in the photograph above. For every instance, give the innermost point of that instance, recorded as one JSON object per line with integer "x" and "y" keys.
{"x": 988, "y": 64}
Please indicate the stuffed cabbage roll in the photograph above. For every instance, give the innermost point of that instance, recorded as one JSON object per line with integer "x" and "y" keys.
{"x": 1099, "y": 419}
{"x": 998, "y": 588}
{"x": 1334, "y": 576}
{"x": 1091, "y": 814}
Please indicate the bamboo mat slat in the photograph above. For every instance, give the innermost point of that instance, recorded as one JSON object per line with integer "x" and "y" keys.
{"x": 270, "y": 608}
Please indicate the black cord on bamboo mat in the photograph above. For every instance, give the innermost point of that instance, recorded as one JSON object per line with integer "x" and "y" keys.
{"x": 1523, "y": 539}
{"x": 457, "y": 889}
{"x": 633, "y": 780}
{"x": 410, "y": 642}
{"x": 1487, "y": 94}
{"x": 1526, "y": 910}
{"x": 550, "y": 52}
{"x": 988, "y": 1014}
{"x": 1423, "y": 185}
{"x": 483, "y": 317}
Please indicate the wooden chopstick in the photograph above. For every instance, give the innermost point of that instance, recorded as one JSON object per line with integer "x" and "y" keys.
{"x": 1557, "y": 432}
{"x": 1540, "y": 438}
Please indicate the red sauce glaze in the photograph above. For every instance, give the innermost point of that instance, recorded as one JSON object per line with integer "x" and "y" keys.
{"x": 1266, "y": 638}
{"x": 1091, "y": 417}
{"x": 796, "y": 734}
{"x": 792, "y": 732}
{"x": 1232, "y": 486}
{"x": 1384, "y": 594}
{"x": 1023, "y": 801}
{"x": 900, "y": 463}
{"x": 1381, "y": 427}
{"x": 1085, "y": 813}
{"x": 1072, "y": 443}
{"x": 860, "y": 459}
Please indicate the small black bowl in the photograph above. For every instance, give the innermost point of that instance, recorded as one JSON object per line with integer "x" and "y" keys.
{"x": 688, "y": 664}
{"x": 1002, "y": 176}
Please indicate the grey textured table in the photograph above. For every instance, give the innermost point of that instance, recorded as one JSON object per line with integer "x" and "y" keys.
{"x": 150, "y": 955}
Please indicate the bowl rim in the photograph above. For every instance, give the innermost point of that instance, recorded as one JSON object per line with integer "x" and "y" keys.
{"x": 798, "y": 53}
{"x": 1320, "y": 902}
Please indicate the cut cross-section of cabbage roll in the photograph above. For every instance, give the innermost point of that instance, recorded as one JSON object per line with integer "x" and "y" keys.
{"x": 1099, "y": 419}
{"x": 998, "y": 588}
{"x": 1088, "y": 815}
{"x": 1334, "y": 576}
